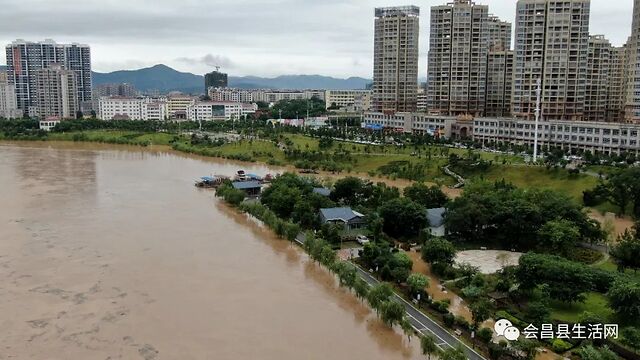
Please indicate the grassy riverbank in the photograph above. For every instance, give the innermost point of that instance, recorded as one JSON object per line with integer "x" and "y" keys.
{"x": 392, "y": 162}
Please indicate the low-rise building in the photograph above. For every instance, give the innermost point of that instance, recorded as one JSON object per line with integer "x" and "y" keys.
{"x": 219, "y": 110}
{"x": 359, "y": 100}
{"x": 343, "y": 216}
{"x": 48, "y": 124}
{"x": 178, "y": 105}
{"x": 421, "y": 123}
{"x": 250, "y": 188}
{"x": 604, "y": 137}
{"x": 124, "y": 108}
{"x": 229, "y": 94}
{"x": 436, "y": 221}
{"x": 268, "y": 96}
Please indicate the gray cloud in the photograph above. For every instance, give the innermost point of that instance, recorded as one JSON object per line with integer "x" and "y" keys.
{"x": 208, "y": 60}
{"x": 263, "y": 37}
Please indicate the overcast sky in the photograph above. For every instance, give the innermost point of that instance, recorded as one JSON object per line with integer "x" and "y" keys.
{"x": 244, "y": 37}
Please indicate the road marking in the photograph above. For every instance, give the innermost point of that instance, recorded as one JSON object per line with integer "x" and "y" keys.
{"x": 373, "y": 281}
{"x": 431, "y": 321}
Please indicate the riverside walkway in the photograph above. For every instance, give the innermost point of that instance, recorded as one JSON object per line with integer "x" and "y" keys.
{"x": 419, "y": 320}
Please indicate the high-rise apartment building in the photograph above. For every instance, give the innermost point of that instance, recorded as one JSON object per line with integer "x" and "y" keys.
{"x": 121, "y": 89}
{"x": 462, "y": 34}
{"x": 56, "y": 92}
{"x": 215, "y": 79}
{"x": 598, "y": 77}
{"x": 8, "y": 103}
{"x": 499, "y": 34}
{"x": 395, "y": 62}
{"x": 25, "y": 58}
{"x": 632, "y": 103}
{"x": 618, "y": 80}
{"x": 551, "y": 45}
{"x": 499, "y": 83}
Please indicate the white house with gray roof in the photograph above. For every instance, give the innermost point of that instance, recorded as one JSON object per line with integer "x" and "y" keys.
{"x": 344, "y": 216}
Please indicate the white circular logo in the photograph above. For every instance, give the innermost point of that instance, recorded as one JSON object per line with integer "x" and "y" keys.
{"x": 511, "y": 333}
{"x": 501, "y": 326}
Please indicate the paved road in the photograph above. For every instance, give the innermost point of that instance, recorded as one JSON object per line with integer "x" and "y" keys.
{"x": 421, "y": 322}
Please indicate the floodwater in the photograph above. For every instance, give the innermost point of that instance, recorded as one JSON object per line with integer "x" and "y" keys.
{"x": 457, "y": 305}
{"x": 111, "y": 253}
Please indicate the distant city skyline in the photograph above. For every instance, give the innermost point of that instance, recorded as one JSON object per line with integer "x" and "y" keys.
{"x": 245, "y": 37}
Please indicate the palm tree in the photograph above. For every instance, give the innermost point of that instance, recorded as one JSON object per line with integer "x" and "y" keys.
{"x": 428, "y": 346}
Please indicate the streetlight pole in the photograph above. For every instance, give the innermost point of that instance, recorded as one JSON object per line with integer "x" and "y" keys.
{"x": 535, "y": 138}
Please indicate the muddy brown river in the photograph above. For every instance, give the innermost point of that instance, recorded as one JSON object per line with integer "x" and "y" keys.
{"x": 112, "y": 253}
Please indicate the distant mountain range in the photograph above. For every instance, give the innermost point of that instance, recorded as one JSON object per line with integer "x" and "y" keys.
{"x": 165, "y": 79}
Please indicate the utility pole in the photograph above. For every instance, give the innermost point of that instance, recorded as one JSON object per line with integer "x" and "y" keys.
{"x": 535, "y": 138}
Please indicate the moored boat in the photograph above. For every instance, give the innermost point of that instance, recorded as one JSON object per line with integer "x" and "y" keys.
{"x": 209, "y": 182}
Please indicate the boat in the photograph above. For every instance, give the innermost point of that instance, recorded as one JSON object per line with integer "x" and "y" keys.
{"x": 210, "y": 182}
{"x": 241, "y": 175}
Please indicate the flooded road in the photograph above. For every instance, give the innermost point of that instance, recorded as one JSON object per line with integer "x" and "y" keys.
{"x": 111, "y": 253}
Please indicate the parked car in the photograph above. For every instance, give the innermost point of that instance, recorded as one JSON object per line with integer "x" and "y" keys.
{"x": 362, "y": 240}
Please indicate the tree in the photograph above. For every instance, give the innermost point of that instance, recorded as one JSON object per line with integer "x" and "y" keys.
{"x": 403, "y": 218}
{"x": 567, "y": 280}
{"x": 453, "y": 354}
{"x": 361, "y": 288}
{"x": 281, "y": 197}
{"x": 331, "y": 233}
{"x": 624, "y": 188}
{"x": 350, "y": 191}
{"x": 347, "y": 274}
{"x": 298, "y": 107}
{"x": 538, "y": 312}
{"x": 400, "y": 266}
{"x": 558, "y": 236}
{"x": 626, "y": 252}
{"x": 480, "y": 311}
{"x": 375, "y": 225}
{"x": 325, "y": 143}
{"x": 392, "y": 312}
{"x": 428, "y": 346}
{"x": 631, "y": 337}
{"x": 417, "y": 283}
{"x": 489, "y": 213}
{"x": 429, "y": 197}
{"x": 438, "y": 251}
{"x": 485, "y": 335}
{"x": 378, "y": 295}
{"x": 590, "y": 352}
{"x": 406, "y": 326}
{"x": 624, "y": 298}
{"x": 528, "y": 348}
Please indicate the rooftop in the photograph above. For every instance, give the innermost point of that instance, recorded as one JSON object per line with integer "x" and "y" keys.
{"x": 345, "y": 214}
{"x": 244, "y": 185}
{"x": 322, "y": 191}
{"x": 436, "y": 216}
{"x": 410, "y": 10}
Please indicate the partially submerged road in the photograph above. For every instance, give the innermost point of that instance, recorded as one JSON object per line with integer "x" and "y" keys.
{"x": 419, "y": 320}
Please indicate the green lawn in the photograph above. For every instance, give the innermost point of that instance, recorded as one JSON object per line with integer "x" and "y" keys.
{"x": 258, "y": 149}
{"x": 595, "y": 303}
{"x": 113, "y": 136}
{"x": 540, "y": 177}
{"x": 609, "y": 265}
